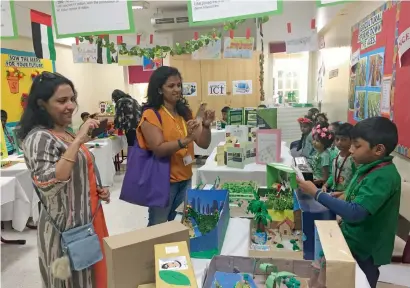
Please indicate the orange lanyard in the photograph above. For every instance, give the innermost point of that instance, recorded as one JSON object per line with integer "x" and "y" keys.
{"x": 183, "y": 133}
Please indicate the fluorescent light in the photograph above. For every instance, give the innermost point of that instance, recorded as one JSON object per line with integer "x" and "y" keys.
{"x": 137, "y": 7}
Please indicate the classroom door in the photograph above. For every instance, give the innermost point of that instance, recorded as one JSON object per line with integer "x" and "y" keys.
{"x": 215, "y": 85}
{"x": 246, "y": 73}
{"x": 191, "y": 73}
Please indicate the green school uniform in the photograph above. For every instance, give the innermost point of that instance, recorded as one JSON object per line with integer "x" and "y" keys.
{"x": 333, "y": 153}
{"x": 319, "y": 161}
{"x": 346, "y": 173}
{"x": 307, "y": 147}
{"x": 379, "y": 193}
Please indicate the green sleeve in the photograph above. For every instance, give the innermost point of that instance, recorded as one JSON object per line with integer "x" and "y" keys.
{"x": 325, "y": 159}
{"x": 372, "y": 196}
{"x": 329, "y": 181}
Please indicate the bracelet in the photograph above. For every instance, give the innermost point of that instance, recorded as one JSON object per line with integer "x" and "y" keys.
{"x": 67, "y": 159}
{"x": 180, "y": 144}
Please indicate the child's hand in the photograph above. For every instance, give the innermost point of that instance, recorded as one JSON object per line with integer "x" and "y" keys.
{"x": 336, "y": 194}
{"x": 324, "y": 188}
{"x": 307, "y": 187}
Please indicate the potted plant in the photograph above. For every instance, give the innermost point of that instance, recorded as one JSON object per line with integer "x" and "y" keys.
{"x": 275, "y": 278}
{"x": 261, "y": 216}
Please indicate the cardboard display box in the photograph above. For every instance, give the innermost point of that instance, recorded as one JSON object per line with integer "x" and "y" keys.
{"x": 236, "y": 134}
{"x": 267, "y": 118}
{"x": 235, "y": 116}
{"x": 238, "y": 157}
{"x": 130, "y": 256}
{"x": 250, "y": 116}
{"x": 338, "y": 270}
{"x": 207, "y": 203}
{"x": 173, "y": 266}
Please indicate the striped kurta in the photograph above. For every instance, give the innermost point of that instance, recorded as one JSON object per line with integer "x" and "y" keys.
{"x": 68, "y": 202}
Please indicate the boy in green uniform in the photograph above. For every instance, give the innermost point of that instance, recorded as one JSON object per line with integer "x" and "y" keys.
{"x": 371, "y": 209}
{"x": 224, "y": 120}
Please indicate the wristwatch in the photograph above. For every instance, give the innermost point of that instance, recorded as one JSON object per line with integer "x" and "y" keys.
{"x": 180, "y": 144}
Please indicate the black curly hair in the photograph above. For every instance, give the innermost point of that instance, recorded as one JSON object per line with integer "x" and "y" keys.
{"x": 155, "y": 99}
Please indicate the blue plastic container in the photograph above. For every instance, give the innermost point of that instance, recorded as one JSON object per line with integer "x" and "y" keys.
{"x": 311, "y": 211}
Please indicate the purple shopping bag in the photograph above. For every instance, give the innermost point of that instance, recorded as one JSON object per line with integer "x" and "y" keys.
{"x": 147, "y": 179}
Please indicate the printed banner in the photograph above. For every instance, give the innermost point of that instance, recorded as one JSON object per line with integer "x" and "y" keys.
{"x": 8, "y": 20}
{"x": 217, "y": 88}
{"x": 209, "y": 52}
{"x": 238, "y": 47}
{"x": 385, "y": 104}
{"x": 189, "y": 89}
{"x": 242, "y": 87}
{"x": 109, "y": 17}
{"x": 206, "y": 12}
{"x": 19, "y": 69}
{"x": 403, "y": 43}
{"x": 309, "y": 43}
{"x": 91, "y": 53}
{"x": 355, "y": 58}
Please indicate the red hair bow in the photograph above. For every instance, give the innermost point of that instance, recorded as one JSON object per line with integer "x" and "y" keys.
{"x": 302, "y": 120}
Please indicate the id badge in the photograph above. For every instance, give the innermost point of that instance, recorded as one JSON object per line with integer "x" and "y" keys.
{"x": 187, "y": 160}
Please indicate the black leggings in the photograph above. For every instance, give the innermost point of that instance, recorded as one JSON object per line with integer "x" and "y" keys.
{"x": 131, "y": 136}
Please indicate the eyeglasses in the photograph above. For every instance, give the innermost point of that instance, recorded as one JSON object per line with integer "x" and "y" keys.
{"x": 49, "y": 75}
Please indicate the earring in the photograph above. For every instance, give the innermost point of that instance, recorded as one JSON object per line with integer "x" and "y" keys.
{"x": 160, "y": 92}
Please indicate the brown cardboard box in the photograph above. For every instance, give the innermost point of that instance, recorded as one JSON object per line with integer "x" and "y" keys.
{"x": 130, "y": 256}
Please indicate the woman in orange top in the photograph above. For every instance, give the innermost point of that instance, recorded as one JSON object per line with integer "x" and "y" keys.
{"x": 174, "y": 137}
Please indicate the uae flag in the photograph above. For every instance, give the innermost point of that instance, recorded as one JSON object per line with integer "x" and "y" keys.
{"x": 104, "y": 54}
{"x": 43, "y": 39}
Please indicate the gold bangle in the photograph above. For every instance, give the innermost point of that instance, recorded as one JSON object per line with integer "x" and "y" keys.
{"x": 67, "y": 159}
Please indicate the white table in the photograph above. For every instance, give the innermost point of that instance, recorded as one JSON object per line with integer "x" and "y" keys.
{"x": 104, "y": 163}
{"x": 217, "y": 136}
{"x": 236, "y": 244}
{"x": 116, "y": 144}
{"x": 252, "y": 172}
{"x": 16, "y": 206}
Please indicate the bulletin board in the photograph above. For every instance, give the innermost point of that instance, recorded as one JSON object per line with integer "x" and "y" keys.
{"x": 18, "y": 69}
{"x": 380, "y": 80}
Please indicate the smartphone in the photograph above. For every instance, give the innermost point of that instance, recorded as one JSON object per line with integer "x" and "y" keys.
{"x": 101, "y": 129}
{"x": 201, "y": 111}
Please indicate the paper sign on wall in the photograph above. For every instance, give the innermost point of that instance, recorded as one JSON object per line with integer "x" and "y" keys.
{"x": 308, "y": 43}
{"x": 206, "y": 12}
{"x": 242, "y": 87}
{"x": 268, "y": 146}
{"x": 369, "y": 29}
{"x": 90, "y": 53}
{"x": 8, "y": 20}
{"x": 209, "y": 52}
{"x": 238, "y": 47}
{"x": 127, "y": 60}
{"x": 109, "y": 17}
{"x": 354, "y": 59}
{"x": 189, "y": 89}
{"x": 404, "y": 43}
{"x": 385, "y": 101}
{"x": 217, "y": 88}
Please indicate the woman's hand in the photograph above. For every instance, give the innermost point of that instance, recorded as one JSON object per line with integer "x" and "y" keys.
{"x": 307, "y": 187}
{"x": 83, "y": 136}
{"x": 104, "y": 194}
{"x": 209, "y": 117}
{"x": 193, "y": 128}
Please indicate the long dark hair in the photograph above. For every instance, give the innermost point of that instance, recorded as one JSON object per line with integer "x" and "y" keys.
{"x": 155, "y": 99}
{"x": 43, "y": 88}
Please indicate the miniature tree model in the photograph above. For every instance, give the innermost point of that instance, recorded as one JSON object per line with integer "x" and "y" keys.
{"x": 205, "y": 223}
{"x": 292, "y": 283}
{"x": 275, "y": 278}
{"x": 260, "y": 212}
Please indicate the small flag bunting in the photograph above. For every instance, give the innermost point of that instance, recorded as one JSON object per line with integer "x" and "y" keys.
{"x": 231, "y": 33}
{"x": 248, "y": 33}
{"x": 77, "y": 41}
{"x": 103, "y": 54}
{"x": 138, "y": 39}
{"x": 151, "y": 39}
{"x": 196, "y": 36}
{"x": 42, "y": 34}
{"x": 289, "y": 27}
{"x": 119, "y": 40}
{"x": 313, "y": 23}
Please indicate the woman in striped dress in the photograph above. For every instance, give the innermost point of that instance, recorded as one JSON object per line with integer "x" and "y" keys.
{"x": 64, "y": 175}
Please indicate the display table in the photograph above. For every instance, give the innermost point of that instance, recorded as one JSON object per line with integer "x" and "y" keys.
{"x": 116, "y": 144}
{"x": 217, "y": 136}
{"x": 104, "y": 162}
{"x": 252, "y": 172}
{"x": 236, "y": 244}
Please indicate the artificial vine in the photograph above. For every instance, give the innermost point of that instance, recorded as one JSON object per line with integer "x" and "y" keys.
{"x": 261, "y": 58}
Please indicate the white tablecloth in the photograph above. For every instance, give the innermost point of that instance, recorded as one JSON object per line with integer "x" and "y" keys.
{"x": 236, "y": 244}
{"x": 217, "y": 136}
{"x": 252, "y": 172}
{"x": 105, "y": 163}
{"x": 17, "y": 203}
{"x": 116, "y": 144}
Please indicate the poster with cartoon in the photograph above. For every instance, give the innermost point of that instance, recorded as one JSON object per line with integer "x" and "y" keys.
{"x": 189, "y": 89}
{"x": 19, "y": 68}
{"x": 151, "y": 64}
